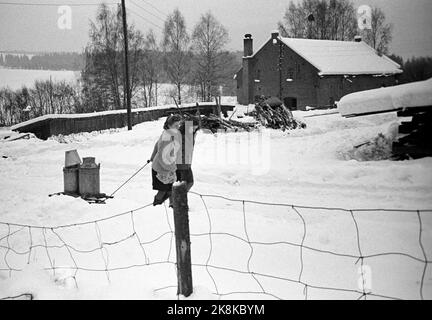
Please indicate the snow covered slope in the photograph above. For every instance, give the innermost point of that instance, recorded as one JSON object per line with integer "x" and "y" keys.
{"x": 301, "y": 167}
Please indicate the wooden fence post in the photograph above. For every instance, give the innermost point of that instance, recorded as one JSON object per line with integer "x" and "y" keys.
{"x": 182, "y": 236}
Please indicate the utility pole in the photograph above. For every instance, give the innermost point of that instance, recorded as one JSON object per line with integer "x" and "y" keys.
{"x": 127, "y": 87}
{"x": 277, "y": 41}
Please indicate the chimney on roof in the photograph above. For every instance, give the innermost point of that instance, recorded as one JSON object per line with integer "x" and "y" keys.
{"x": 275, "y": 34}
{"x": 358, "y": 39}
{"x": 247, "y": 45}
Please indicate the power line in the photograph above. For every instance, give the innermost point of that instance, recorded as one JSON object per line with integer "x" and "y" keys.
{"x": 149, "y": 12}
{"x": 84, "y": 4}
{"x": 145, "y": 19}
{"x": 151, "y": 5}
{"x": 54, "y": 4}
{"x": 156, "y": 16}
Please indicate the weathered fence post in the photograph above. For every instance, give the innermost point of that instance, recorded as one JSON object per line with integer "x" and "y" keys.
{"x": 182, "y": 236}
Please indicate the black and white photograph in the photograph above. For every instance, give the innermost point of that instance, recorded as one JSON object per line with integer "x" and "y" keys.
{"x": 215, "y": 155}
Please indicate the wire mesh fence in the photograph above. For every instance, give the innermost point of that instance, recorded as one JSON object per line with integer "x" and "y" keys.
{"x": 66, "y": 248}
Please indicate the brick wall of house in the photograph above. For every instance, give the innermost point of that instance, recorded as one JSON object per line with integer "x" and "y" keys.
{"x": 239, "y": 90}
{"x": 304, "y": 79}
{"x": 333, "y": 88}
{"x": 264, "y": 67}
{"x": 247, "y": 82}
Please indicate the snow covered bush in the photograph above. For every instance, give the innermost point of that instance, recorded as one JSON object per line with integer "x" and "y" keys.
{"x": 379, "y": 148}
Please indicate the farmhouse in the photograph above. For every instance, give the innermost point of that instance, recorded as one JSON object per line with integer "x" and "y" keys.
{"x": 311, "y": 73}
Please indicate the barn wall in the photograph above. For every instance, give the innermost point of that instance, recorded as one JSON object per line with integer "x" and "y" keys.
{"x": 333, "y": 88}
{"x": 304, "y": 76}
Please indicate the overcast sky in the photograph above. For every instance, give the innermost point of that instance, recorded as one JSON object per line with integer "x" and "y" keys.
{"x": 34, "y": 28}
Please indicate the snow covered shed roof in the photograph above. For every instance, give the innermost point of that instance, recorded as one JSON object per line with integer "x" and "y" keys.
{"x": 332, "y": 57}
{"x": 410, "y": 95}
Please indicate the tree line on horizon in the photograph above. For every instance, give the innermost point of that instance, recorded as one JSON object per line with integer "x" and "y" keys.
{"x": 335, "y": 20}
{"x": 43, "y": 61}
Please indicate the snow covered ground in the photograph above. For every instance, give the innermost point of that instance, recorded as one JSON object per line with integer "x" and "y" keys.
{"x": 301, "y": 167}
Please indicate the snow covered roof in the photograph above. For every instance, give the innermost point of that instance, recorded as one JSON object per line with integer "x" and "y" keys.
{"x": 416, "y": 94}
{"x": 332, "y": 57}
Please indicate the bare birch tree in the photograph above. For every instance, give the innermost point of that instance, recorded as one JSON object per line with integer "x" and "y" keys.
{"x": 103, "y": 74}
{"x": 380, "y": 34}
{"x": 150, "y": 69}
{"x": 209, "y": 38}
{"x": 320, "y": 19}
{"x": 176, "y": 50}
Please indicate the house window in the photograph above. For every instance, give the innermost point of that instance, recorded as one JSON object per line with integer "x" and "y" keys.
{"x": 258, "y": 75}
{"x": 290, "y": 73}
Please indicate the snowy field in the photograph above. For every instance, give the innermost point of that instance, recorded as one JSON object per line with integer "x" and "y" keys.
{"x": 301, "y": 167}
{"x": 17, "y": 78}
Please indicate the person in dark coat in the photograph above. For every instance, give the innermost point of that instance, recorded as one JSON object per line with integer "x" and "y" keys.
{"x": 164, "y": 157}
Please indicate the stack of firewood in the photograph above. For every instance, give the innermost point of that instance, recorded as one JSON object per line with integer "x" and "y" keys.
{"x": 214, "y": 123}
{"x": 414, "y": 136}
{"x": 267, "y": 113}
{"x": 277, "y": 117}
